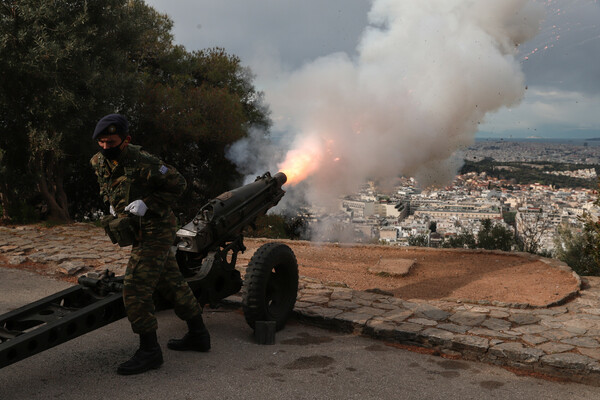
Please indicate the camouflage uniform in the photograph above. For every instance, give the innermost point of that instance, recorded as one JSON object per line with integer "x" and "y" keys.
{"x": 152, "y": 265}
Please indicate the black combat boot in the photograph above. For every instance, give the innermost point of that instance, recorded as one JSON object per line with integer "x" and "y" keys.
{"x": 148, "y": 356}
{"x": 197, "y": 338}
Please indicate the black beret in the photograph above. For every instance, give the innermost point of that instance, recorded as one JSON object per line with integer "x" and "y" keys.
{"x": 111, "y": 123}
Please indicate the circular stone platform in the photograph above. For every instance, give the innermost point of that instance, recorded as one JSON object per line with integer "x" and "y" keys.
{"x": 477, "y": 276}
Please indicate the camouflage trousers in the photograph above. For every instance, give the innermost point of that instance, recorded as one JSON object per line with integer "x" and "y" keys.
{"x": 152, "y": 267}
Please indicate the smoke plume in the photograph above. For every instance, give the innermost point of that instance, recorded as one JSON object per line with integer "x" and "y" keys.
{"x": 425, "y": 74}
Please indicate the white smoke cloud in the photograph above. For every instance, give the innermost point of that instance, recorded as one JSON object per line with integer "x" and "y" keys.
{"x": 254, "y": 155}
{"x": 425, "y": 75}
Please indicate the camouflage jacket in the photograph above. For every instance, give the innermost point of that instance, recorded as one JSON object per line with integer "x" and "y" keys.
{"x": 138, "y": 175}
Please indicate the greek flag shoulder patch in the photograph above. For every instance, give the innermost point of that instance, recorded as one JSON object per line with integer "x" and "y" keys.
{"x": 163, "y": 169}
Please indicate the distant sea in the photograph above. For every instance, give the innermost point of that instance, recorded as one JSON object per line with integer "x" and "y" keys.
{"x": 573, "y": 142}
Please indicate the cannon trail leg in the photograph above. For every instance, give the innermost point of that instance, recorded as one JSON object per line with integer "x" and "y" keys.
{"x": 54, "y": 320}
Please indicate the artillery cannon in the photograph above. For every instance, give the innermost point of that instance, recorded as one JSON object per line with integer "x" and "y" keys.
{"x": 206, "y": 251}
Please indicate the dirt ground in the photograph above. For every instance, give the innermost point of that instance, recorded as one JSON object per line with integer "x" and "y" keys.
{"x": 435, "y": 274}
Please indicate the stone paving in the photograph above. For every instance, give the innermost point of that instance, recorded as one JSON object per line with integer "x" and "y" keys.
{"x": 560, "y": 341}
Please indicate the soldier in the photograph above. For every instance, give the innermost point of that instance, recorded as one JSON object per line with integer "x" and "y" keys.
{"x": 140, "y": 189}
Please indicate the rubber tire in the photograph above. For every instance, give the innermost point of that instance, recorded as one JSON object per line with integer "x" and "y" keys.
{"x": 270, "y": 285}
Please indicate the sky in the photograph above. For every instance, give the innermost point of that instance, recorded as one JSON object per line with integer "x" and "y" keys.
{"x": 270, "y": 36}
{"x": 373, "y": 89}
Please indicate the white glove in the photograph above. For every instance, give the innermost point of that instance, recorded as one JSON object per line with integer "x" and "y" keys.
{"x": 112, "y": 211}
{"x": 137, "y": 207}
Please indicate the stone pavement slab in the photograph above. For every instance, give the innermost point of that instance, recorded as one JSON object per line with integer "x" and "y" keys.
{"x": 392, "y": 267}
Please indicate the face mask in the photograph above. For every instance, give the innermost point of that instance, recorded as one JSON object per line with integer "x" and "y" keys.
{"x": 112, "y": 153}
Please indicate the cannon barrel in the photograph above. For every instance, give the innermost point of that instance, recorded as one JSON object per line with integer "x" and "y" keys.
{"x": 224, "y": 218}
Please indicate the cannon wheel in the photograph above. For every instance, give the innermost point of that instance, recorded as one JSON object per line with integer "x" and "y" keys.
{"x": 270, "y": 285}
